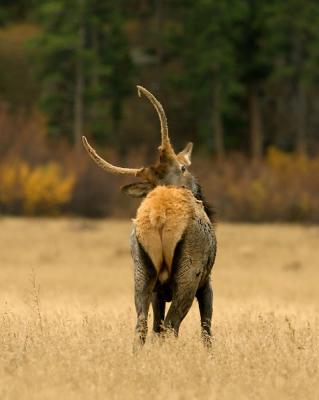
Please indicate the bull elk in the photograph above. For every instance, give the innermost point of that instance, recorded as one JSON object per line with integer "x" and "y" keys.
{"x": 173, "y": 242}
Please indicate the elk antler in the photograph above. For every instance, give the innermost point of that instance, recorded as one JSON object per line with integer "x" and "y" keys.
{"x": 107, "y": 166}
{"x": 166, "y": 144}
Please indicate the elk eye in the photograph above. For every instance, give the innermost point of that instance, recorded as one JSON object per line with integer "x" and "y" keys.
{"x": 183, "y": 168}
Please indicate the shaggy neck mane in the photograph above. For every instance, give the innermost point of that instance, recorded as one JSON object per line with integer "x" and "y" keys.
{"x": 207, "y": 207}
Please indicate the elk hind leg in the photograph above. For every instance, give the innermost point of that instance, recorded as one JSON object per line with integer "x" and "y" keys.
{"x": 205, "y": 302}
{"x": 145, "y": 279}
{"x": 181, "y": 303}
{"x": 186, "y": 284}
{"x": 143, "y": 297}
{"x": 158, "y": 304}
{"x": 185, "y": 281}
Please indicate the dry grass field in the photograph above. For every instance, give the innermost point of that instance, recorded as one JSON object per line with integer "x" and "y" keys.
{"x": 67, "y": 317}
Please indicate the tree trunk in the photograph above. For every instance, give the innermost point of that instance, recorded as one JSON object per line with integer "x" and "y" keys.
{"x": 255, "y": 123}
{"x": 159, "y": 43}
{"x": 217, "y": 122}
{"x": 95, "y": 78}
{"x": 301, "y": 124}
{"x": 300, "y": 96}
{"x": 79, "y": 84}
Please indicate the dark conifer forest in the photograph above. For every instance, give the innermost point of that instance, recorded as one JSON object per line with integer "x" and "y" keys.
{"x": 239, "y": 78}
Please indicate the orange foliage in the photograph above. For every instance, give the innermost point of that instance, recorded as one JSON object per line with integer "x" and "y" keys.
{"x": 283, "y": 187}
{"x": 34, "y": 180}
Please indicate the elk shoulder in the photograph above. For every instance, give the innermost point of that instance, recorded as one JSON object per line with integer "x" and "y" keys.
{"x": 161, "y": 221}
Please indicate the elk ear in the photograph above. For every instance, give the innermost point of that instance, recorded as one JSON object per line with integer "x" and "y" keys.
{"x": 185, "y": 155}
{"x": 138, "y": 189}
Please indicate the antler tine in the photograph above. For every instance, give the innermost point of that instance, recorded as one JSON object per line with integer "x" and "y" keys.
{"x": 107, "y": 166}
{"x": 166, "y": 144}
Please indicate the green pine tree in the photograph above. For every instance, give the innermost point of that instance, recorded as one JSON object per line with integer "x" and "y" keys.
{"x": 84, "y": 67}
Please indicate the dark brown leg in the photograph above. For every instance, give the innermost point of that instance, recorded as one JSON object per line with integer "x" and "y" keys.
{"x": 205, "y": 302}
{"x": 158, "y": 305}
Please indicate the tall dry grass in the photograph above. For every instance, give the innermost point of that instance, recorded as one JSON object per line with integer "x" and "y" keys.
{"x": 67, "y": 317}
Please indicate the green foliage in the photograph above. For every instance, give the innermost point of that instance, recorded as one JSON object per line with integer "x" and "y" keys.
{"x": 103, "y": 54}
{"x": 241, "y": 69}
{"x": 202, "y": 43}
{"x": 18, "y": 88}
{"x": 248, "y": 68}
{"x": 293, "y": 39}
{"x": 16, "y": 10}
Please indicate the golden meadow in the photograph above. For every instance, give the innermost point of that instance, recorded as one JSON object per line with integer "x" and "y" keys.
{"x": 67, "y": 316}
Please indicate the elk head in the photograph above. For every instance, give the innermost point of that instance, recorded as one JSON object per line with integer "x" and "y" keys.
{"x": 171, "y": 168}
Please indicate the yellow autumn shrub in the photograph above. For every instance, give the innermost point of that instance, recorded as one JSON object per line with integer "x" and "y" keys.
{"x": 12, "y": 176}
{"x": 296, "y": 177}
{"x": 283, "y": 162}
{"x": 37, "y": 190}
{"x": 257, "y": 197}
{"x": 46, "y": 189}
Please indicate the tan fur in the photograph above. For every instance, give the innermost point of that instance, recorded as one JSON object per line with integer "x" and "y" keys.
{"x": 161, "y": 221}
